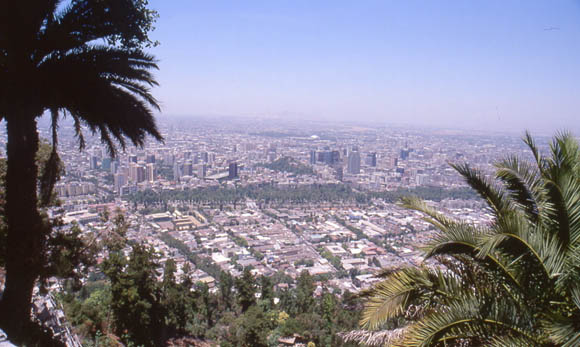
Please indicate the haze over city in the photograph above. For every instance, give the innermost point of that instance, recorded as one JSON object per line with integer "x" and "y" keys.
{"x": 493, "y": 65}
{"x": 289, "y": 173}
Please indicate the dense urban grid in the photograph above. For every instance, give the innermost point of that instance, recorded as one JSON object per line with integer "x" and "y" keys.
{"x": 278, "y": 198}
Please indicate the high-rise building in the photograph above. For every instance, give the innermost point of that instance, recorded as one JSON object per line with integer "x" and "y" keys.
{"x": 202, "y": 171}
{"x": 114, "y": 166}
{"x": 405, "y": 153}
{"x": 421, "y": 179}
{"x": 94, "y": 162}
{"x": 176, "y": 171}
{"x": 106, "y": 164}
{"x": 335, "y": 157}
{"x": 137, "y": 173}
{"x": 188, "y": 168}
{"x": 119, "y": 180}
{"x": 339, "y": 172}
{"x": 354, "y": 163}
{"x": 329, "y": 157}
{"x": 371, "y": 159}
{"x": 169, "y": 159}
{"x": 150, "y": 159}
{"x": 150, "y": 172}
{"x": 233, "y": 170}
{"x": 133, "y": 175}
{"x": 132, "y": 158}
{"x": 141, "y": 175}
{"x": 312, "y": 157}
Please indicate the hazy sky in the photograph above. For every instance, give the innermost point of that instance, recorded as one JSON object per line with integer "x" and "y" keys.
{"x": 474, "y": 64}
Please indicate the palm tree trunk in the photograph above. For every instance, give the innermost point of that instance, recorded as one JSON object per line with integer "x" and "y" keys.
{"x": 25, "y": 231}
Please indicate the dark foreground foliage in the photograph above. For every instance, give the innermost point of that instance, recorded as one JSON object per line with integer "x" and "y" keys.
{"x": 124, "y": 301}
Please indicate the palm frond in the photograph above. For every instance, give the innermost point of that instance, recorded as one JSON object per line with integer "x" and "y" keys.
{"x": 53, "y": 167}
{"x": 78, "y": 131}
{"x": 81, "y": 23}
{"x": 435, "y": 218}
{"x": 494, "y": 196}
{"x": 524, "y": 185}
{"x": 463, "y": 239}
{"x": 373, "y": 338}
{"x": 570, "y": 187}
{"x": 564, "y": 331}
{"x": 470, "y": 318}
{"x": 392, "y": 296}
{"x": 522, "y": 241}
{"x": 531, "y": 143}
{"x": 111, "y": 74}
{"x": 510, "y": 341}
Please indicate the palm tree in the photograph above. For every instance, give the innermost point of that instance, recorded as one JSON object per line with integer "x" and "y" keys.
{"x": 81, "y": 59}
{"x": 512, "y": 282}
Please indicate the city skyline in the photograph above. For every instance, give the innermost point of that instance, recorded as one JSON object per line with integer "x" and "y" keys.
{"x": 484, "y": 66}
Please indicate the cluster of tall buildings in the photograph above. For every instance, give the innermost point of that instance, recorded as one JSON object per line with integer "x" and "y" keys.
{"x": 353, "y": 160}
{"x": 141, "y": 172}
{"x": 75, "y": 189}
{"x": 326, "y": 157}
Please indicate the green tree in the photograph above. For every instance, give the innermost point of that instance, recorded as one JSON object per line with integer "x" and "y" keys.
{"x": 513, "y": 282}
{"x": 266, "y": 291}
{"x": 246, "y": 287}
{"x": 305, "y": 292}
{"x": 207, "y": 304}
{"x": 176, "y": 302}
{"x": 226, "y": 286}
{"x": 135, "y": 295}
{"x": 251, "y": 328}
{"x": 84, "y": 58}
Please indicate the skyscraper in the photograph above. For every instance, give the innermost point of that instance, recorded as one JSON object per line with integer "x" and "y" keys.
{"x": 133, "y": 175}
{"x": 338, "y": 172}
{"x": 176, "y": 171}
{"x": 371, "y": 159}
{"x": 187, "y": 168}
{"x": 94, "y": 162}
{"x": 150, "y": 159}
{"x": 233, "y": 170}
{"x": 141, "y": 173}
{"x": 114, "y": 166}
{"x": 150, "y": 172}
{"x": 106, "y": 164}
{"x": 353, "y": 163}
{"x": 120, "y": 179}
{"x": 202, "y": 171}
{"x": 405, "y": 153}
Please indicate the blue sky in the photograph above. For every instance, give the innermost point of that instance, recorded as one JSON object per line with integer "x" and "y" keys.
{"x": 467, "y": 64}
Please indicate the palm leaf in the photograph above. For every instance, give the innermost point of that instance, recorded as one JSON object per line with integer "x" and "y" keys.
{"x": 521, "y": 241}
{"x": 100, "y": 73}
{"x": 373, "y": 338}
{"x": 435, "y": 218}
{"x": 494, "y": 197}
{"x": 470, "y": 318}
{"x": 524, "y": 186}
{"x": 529, "y": 141}
{"x": 391, "y": 297}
